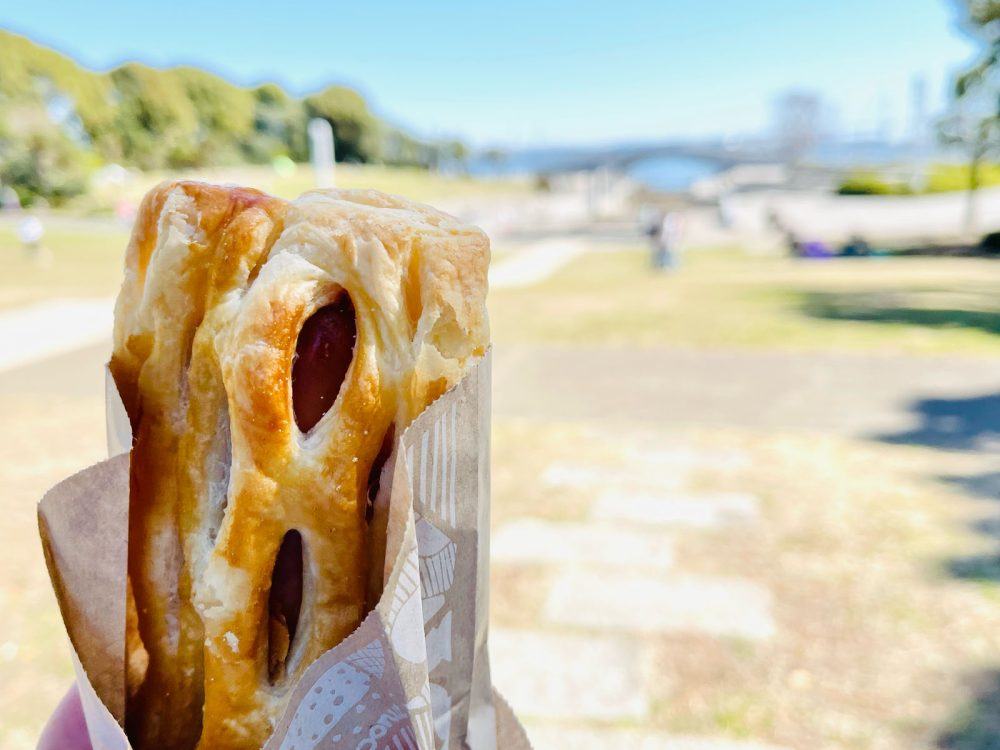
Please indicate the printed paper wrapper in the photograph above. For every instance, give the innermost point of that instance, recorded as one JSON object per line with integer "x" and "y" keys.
{"x": 415, "y": 674}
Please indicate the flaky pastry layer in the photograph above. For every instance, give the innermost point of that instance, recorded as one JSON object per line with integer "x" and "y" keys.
{"x": 219, "y": 282}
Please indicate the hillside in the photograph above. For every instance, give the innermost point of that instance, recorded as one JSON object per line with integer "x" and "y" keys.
{"x": 59, "y": 120}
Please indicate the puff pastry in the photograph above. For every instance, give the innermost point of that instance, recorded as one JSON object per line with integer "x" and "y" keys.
{"x": 267, "y": 352}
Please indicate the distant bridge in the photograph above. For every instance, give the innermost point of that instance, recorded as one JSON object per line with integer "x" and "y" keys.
{"x": 724, "y": 156}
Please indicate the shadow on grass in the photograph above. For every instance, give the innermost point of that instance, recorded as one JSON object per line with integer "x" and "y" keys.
{"x": 986, "y": 485}
{"x": 977, "y": 724}
{"x": 981, "y": 568}
{"x": 893, "y": 307}
{"x": 978, "y": 568}
{"x": 971, "y": 423}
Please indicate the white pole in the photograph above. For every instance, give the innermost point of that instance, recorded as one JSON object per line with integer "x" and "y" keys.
{"x": 322, "y": 153}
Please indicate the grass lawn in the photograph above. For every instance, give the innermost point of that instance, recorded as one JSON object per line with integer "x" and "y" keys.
{"x": 86, "y": 261}
{"x": 718, "y": 298}
{"x": 86, "y": 254}
{"x": 45, "y": 439}
{"x": 940, "y": 178}
{"x": 885, "y": 640}
{"x": 881, "y": 559}
{"x": 418, "y": 184}
{"x": 722, "y": 298}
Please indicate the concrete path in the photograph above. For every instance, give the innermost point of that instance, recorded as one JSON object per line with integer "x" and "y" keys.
{"x": 536, "y": 262}
{"x": 39, "y": 332}
{"x": 72, "y": 374}
{"x": 944, "y": 401}
{"x": 832, "y": 217}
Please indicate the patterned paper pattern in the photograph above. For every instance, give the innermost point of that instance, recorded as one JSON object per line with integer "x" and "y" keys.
{"x": 415, "y": 671}
{"x": 428, "y": 614}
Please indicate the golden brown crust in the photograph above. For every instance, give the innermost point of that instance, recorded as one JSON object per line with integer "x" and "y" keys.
{"x": 219, "y": 282}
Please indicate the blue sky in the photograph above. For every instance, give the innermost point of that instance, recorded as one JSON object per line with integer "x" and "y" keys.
{"x": 522, "y": 72}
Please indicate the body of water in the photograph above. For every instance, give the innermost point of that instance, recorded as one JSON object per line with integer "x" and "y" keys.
{"x": 678, "y": 173}
{"x": 663, "y": 173}
{"x": 670, "y": 174}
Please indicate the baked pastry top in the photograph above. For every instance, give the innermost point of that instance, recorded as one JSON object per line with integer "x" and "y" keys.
{"x": 268, "y": 353}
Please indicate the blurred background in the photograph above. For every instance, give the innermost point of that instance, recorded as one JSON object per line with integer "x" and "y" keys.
{"x": 746, "y": 309}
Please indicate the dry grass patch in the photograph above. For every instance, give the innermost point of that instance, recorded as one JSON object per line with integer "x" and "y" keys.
{"x": 882, "y": 644}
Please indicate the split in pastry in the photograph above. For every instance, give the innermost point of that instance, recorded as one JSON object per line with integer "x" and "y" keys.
{"x": 268, "y": 354}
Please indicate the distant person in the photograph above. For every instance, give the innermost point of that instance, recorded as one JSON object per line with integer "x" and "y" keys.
{"x": 815, "y": 249}
{"x": 774, "y": 221}
{"x": 125, "y": 210}
{"x": 30, "y": 232}
{"x": 792, "y": 243}
{"x": 856, "y": 247}
{"x": 806, "y": 248}
{"x": 666, "y": 241}
{"x": 647, "y": 219}
{"x": 727, "y": 217}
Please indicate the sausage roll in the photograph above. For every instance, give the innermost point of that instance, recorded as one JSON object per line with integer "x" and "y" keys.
{"x": 268, "y": 354}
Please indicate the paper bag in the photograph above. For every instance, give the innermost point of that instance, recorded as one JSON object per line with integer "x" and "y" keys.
{"x": 413, "y": 676}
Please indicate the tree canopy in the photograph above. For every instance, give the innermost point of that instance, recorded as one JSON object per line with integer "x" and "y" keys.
{"x": 59, "y": 118}
{"x": 975, "y": 122}
{"x": 980, "y": 19}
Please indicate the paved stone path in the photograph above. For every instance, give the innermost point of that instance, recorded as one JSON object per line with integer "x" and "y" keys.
{"x": 704, "y": 511}
{"x": 612, "y": 580}
{"x": 546, "y": 737}
{"x": 579, "y": 476}
{"x": 560, "y": 676}
{"x": 650, "y": 604}
{"x": 536, "y": 541}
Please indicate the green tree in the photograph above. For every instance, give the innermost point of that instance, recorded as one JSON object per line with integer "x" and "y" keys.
{"x": 279, "y": 124}
{"x": 182, "y": 117}
{"x": 224, "y": 114}
{"x": 31, "y": 73}
{"x": 157, "y": 123}
{"x": 456, "y": 154}
{"x": 38, "y": 159}
{"x": 354, "y": 127}
{"x": 975, "y": 123}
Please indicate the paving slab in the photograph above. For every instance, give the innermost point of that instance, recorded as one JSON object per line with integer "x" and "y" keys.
{"x": 531, "y": 540}
{"x": 548, "y": 737}
{"x": 689, "y": 458}
{"x": 581, "y": 476}
{"x": 626, "y": 602}
{"x": 700, "y": 511}
{"x": 565, "y": 676}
